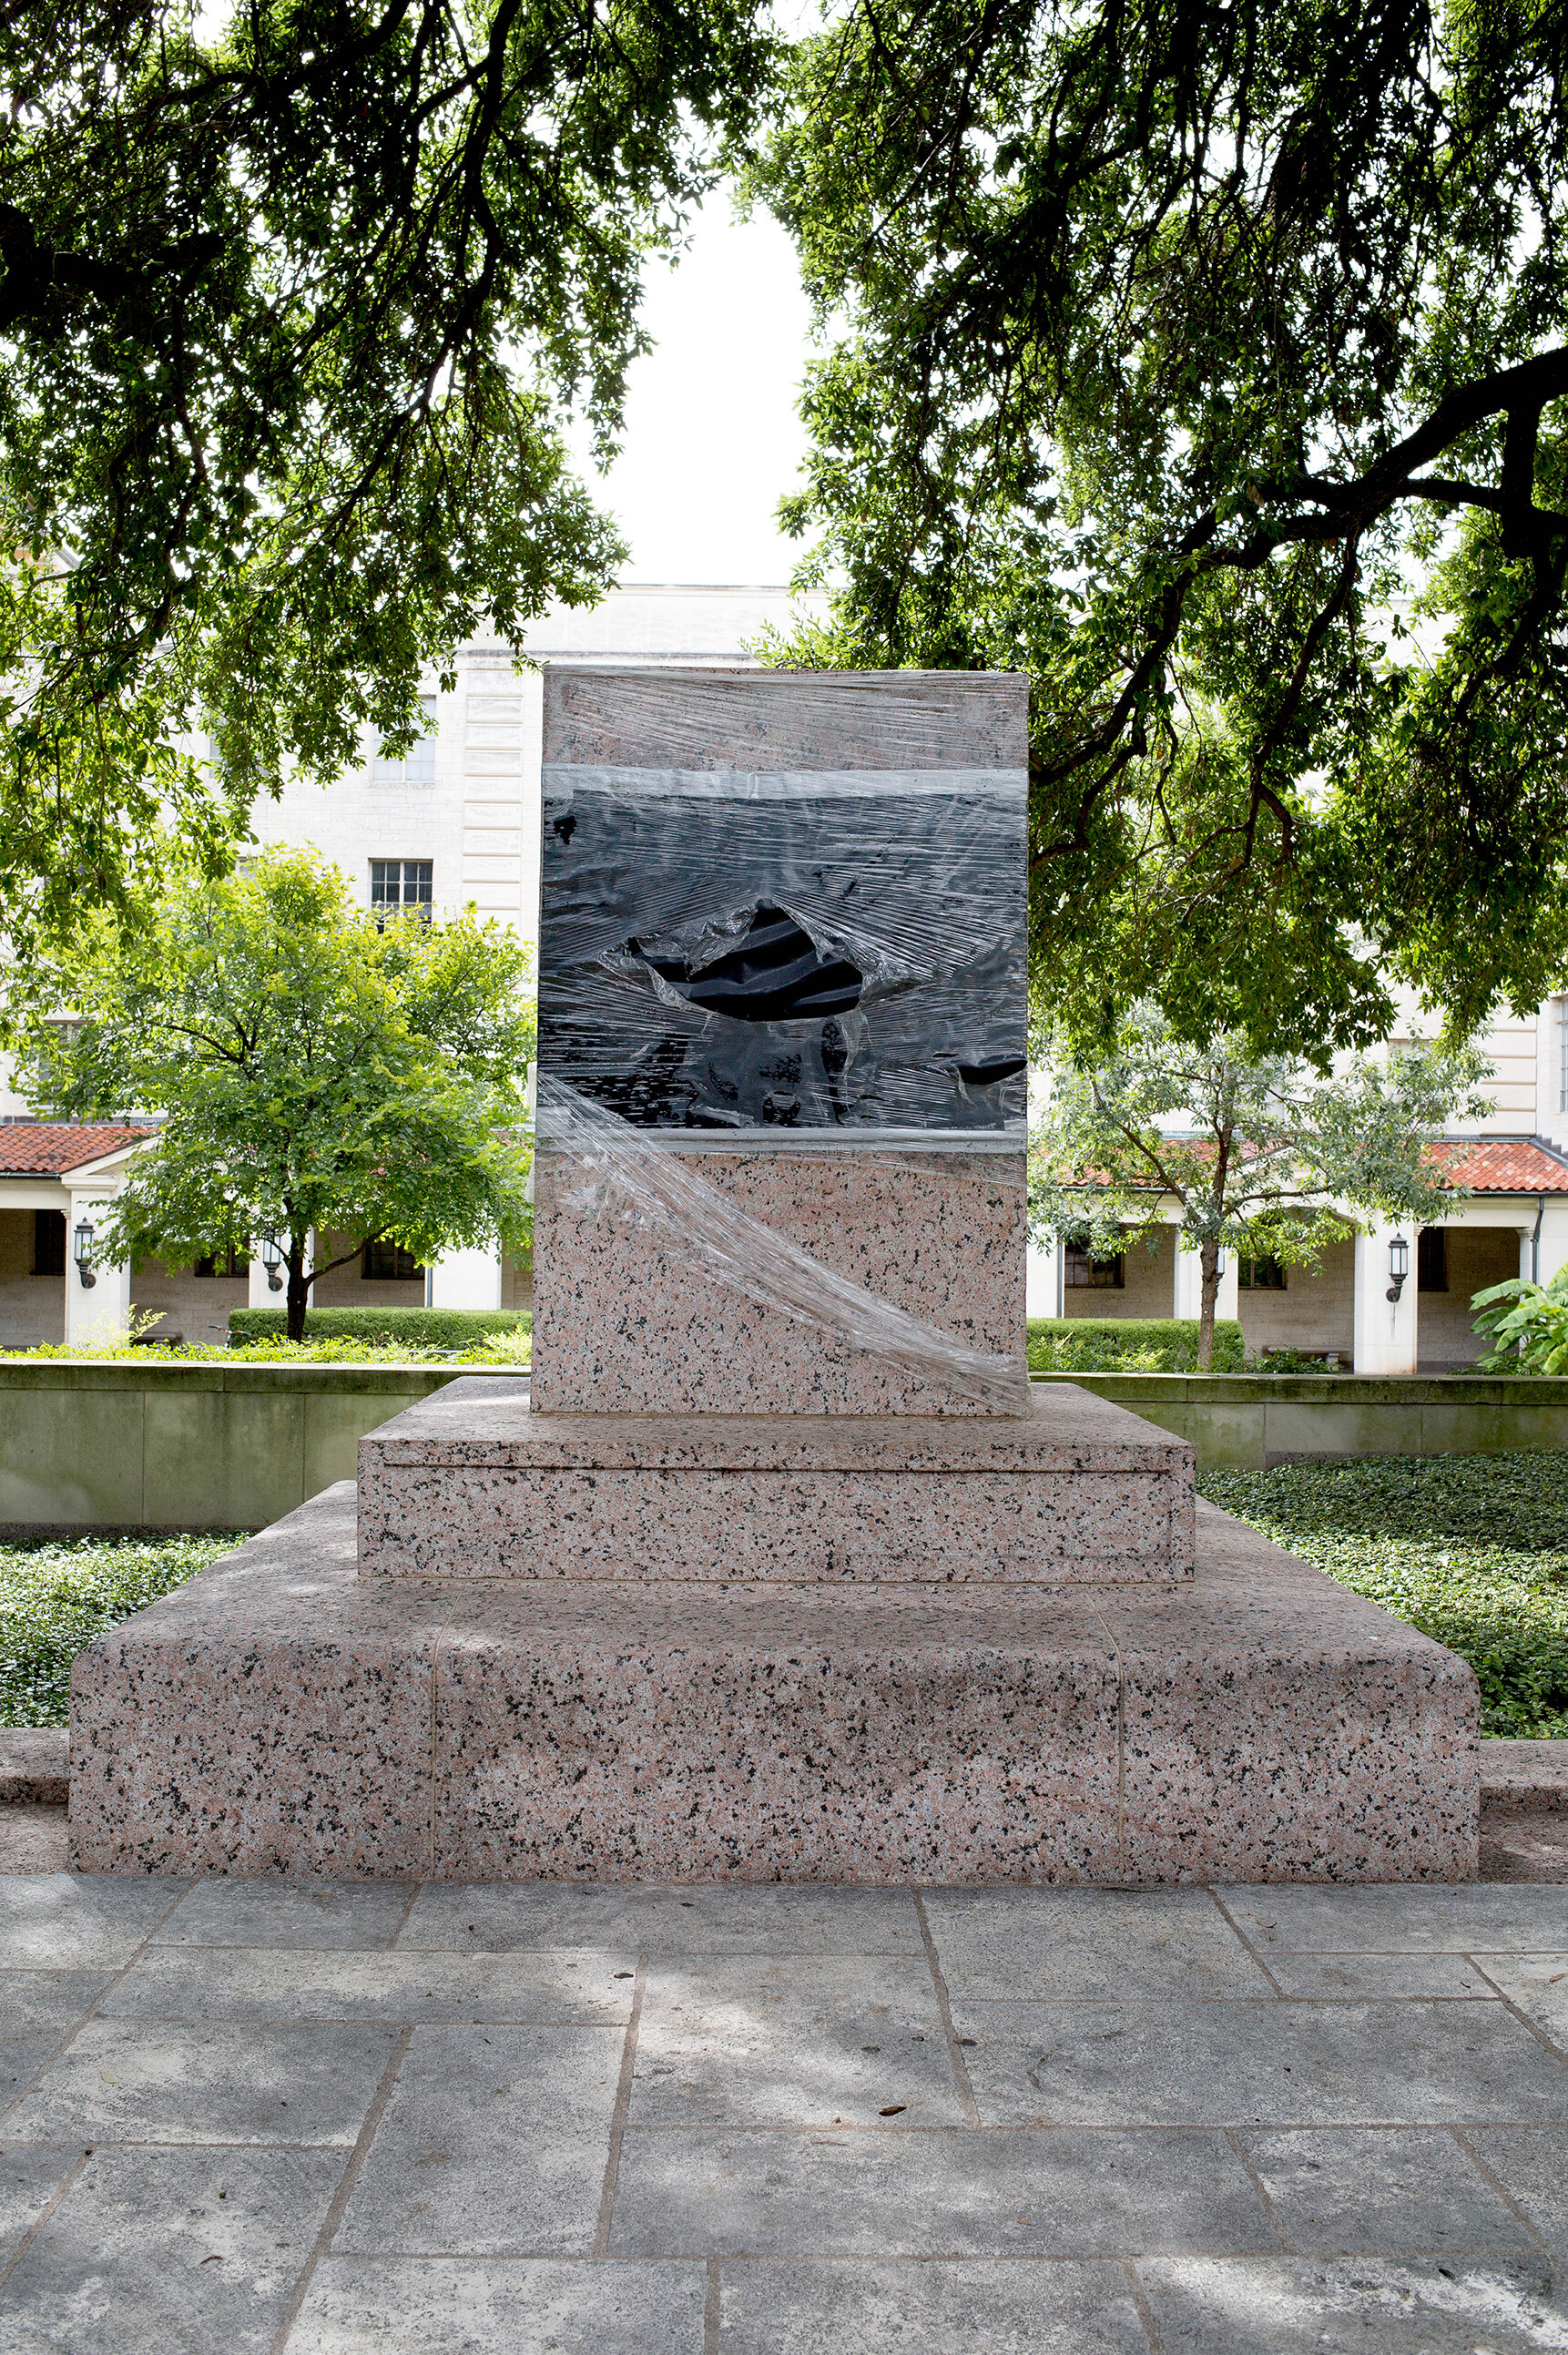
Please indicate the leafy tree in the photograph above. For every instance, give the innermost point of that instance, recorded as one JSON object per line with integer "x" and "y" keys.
{"x": 294, "y": 300}
{"x": 1172, "y": 347}
{"x": 315, "y": 1070}
{"x": 1265, "y": 1159}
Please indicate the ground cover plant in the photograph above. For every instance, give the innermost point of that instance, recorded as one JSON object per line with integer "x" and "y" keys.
{"x": 57, "y": 1593}
{"x": 1473, "y": 1549}
{"x": 1127, "y": 1345}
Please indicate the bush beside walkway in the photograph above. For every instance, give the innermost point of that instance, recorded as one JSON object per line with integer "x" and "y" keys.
{"x": 1473, "y": 1549}
{"x": 57, "y": 1595}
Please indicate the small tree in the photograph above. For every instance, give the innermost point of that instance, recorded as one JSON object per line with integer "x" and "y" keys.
{"x": 1267, "y": 1159}
{"x": 315, "y": 1069}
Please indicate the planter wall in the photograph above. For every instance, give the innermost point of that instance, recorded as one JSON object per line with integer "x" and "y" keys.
{"x": 126, "y": 1445}
{"x": 1251, "y": 1420}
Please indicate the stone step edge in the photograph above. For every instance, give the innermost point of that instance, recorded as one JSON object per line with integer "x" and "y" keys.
{"x": 34, "y": 1766}
{"x": 1529, "y": 1776}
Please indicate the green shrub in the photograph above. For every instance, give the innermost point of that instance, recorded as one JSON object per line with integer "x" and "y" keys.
{"x": 427, "y": 1328}
{"x": 56, "y": 1594}
{"x": 1128, "y": 1345}
{"x": 1527, "y": 1324}
{"x": 1473, "y": 1549}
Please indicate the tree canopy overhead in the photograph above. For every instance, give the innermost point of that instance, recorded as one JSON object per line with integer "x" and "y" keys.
{"x": 289, "y": 315}
{"x": 1174, "y": 342}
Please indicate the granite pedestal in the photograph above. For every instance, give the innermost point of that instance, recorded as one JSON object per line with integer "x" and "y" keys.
{"x": 734, "y": 1595}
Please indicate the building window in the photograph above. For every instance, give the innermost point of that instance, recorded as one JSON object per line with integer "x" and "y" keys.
{"x": 48, "y": 1243}
{"x": 417, "y": 765}
{"x": 228, "y": 1264}
{"x": 402, "y": 883}
{"x": 1432, "y": 1259}
{"x": 391, "y": 1264}
{"x": 1261, "y": 1275}
{"x": 1082, "y": 1272}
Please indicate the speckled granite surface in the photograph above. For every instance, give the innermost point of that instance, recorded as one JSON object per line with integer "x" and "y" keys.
{"x": 475, "y": 1484}
{"x": 624, "y": 1324}
{"x": 280, "y": 1714}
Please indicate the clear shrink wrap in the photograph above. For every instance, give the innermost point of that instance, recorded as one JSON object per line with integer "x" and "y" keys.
{"x": 837, "y": 952}
{"x": 618, "y": 1171}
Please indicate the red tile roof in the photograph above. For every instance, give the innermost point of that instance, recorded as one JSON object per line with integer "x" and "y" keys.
{"x": 1504, "y": 1166}
{"x": 48, "y": 1148}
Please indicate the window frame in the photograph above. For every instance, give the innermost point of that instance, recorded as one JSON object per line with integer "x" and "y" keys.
{"x": 235, "y": 1270}
{"x": 1082, "y": 1272}
{"x": 417, "y": 765}
{"x": 397, "y": 873}
{"x": 396, "y": 1274}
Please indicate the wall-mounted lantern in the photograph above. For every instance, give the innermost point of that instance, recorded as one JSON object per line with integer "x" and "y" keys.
{"x": 1398, "y": 1266}
{"x": 273, "y": 1261}
{"x": 84, "y": 1254}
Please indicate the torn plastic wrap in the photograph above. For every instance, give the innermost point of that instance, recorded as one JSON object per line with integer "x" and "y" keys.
{"x": 841, "y": 951}
{"x": 621, "y": 1172}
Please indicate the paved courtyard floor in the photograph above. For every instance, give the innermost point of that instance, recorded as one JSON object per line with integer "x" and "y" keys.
{"x": 343, "y": 2119}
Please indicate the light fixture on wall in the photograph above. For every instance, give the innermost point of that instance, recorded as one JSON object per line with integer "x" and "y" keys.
{"x": 273, "y": 1261}
{"x": 84, "y": 1254}
{"x": 1398, "y": 1266}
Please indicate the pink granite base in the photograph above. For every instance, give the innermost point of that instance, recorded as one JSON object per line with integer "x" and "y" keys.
{"x": 280, "y": 1714}
{"x": 628, "y": 1323}
{"x": 474, "y": 1483}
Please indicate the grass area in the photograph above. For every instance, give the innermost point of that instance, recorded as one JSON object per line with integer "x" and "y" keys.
{"x": 57, "y": 1594}
{"x": 1472, "y": 1550}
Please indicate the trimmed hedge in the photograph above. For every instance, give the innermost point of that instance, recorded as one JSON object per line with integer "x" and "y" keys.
{"x": 428, "y": 1328}
{"x": 1129, "y": 1345}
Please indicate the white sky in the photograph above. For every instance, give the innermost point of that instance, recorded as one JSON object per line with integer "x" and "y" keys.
{"x": 712, "y": 439}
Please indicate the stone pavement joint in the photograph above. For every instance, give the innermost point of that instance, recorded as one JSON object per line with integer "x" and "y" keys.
{"x": 345, "y": 2119}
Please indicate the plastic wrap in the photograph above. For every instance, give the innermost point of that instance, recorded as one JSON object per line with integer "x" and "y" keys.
{"x": 618, "y": 1171}
{"x": 747, "y": 954}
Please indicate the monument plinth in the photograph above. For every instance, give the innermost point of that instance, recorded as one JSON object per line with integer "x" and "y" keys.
{"x": 783, "y": 939}
{"x": 783, "y": 1570}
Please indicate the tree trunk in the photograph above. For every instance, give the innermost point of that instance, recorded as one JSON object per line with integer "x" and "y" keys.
{"x": 299, "y": 1291}
{"x": 1209, "y": 1259}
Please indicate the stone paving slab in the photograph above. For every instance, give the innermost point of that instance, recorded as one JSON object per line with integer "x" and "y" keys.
{"x": 641, "y": 2120}
{"x": 458, "y": 2305}
{"x": 1289, "y": 2307}
{"x": 1239, "y": 2063}
{"x": 159, "y": 2249}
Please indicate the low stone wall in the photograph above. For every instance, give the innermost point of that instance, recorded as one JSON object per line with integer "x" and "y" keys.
{"x": 1251, "y": 1420}
{"x": 126, "y": 1445}
{"x": 123, "y": 1444}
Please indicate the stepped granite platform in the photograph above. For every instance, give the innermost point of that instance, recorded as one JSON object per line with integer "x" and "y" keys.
{"x": 283, "y": 1714}
{"x": 474, "y": 1483}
